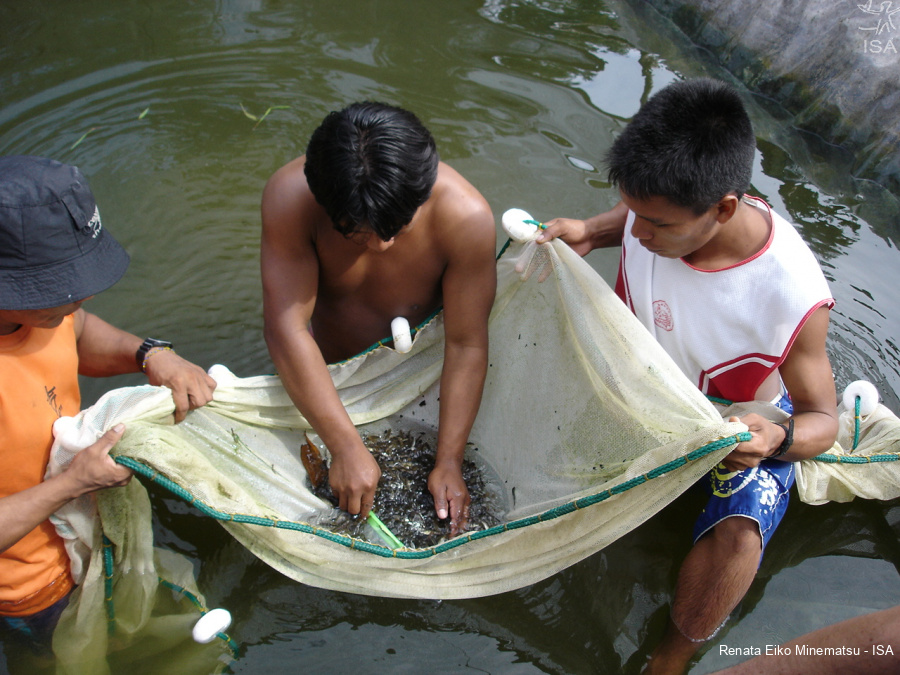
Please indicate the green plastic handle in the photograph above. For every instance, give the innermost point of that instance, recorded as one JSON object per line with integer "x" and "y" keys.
{"x": 382, "y": 530}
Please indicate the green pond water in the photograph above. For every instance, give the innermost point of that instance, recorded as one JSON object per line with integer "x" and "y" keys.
{"x": 523, "y": 99}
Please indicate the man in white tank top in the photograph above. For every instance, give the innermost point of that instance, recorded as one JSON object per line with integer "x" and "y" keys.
{"x": 738, "y": 300}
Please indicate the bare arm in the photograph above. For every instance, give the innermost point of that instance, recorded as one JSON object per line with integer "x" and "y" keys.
{"x": 807, "y": 374}
{"x": 469, "y": 285}
{"x": 105, "y": 350}
{"x": 290, "y": 272}
{"x": 602, "y": 231}
{"x": 92, "y": 469}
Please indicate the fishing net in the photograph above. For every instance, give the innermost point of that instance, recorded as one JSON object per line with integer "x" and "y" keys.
{"x": 135, "y": 605}
{"x": 586, "y": 429}
{"x": 865, "y": 460}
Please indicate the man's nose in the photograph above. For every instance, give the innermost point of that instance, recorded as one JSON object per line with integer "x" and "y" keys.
{"x": 641, "y": 229}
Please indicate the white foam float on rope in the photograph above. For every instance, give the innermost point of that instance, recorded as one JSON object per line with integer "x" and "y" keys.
{"x": 402, "y": 335}
{"x": 868, "y": 397}
{"x": 211, "y": 624}
{"x": 514, "y": 222}
{"x": 221, "y": 374}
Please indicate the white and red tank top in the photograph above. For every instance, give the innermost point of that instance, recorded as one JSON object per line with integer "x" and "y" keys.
{"x": 727, "y": 329}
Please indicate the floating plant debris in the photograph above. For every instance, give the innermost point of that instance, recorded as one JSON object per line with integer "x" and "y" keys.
{"x": 258, "y": 120}
{"x": 83, "y": 136}
{"x": 402, "y": 501}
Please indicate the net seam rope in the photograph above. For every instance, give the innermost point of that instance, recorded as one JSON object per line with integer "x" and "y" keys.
{"x": 419, "y": 554}
{"x": 827, "y": 458}
{"x": 109, "y": 603}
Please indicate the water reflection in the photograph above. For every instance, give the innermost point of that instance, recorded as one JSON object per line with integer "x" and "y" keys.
{"x": 523, "y": 98}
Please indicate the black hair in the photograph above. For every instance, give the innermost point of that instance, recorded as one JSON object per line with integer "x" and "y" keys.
{"x": 691, "y": 143}
{"x": 371, "y": 166}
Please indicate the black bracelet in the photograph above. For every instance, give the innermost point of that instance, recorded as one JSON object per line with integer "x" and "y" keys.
{"x": 788, "y": 438}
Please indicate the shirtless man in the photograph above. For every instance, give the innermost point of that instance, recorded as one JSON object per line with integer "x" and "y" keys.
{"x": 367, "y": 226}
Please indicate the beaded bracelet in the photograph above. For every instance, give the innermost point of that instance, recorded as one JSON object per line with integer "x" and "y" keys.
{"x": 151, "y": 352}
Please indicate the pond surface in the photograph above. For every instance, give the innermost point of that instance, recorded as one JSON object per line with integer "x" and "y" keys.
{"x": 155, "y": 100}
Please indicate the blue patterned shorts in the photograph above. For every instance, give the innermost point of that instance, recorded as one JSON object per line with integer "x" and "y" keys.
{"x": 760, "y": 493}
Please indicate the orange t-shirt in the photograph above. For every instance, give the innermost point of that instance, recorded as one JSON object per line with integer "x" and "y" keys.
{"x": 38, "y": 384}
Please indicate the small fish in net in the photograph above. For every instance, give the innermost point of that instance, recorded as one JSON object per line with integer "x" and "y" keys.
{"x": 402, "y": 500}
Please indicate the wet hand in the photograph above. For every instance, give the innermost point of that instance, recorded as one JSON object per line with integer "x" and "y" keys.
{"x": 765, "y": 437}
{"x": 574, "y": 232}
{"x": 354, "y": 477}
{"x": 93, "y": 468}
{"x": 191, "y": 386}
{"x": 451, "y": 496}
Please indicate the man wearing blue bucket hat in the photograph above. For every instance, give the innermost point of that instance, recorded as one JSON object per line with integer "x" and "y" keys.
{"x": 54, "y": 255}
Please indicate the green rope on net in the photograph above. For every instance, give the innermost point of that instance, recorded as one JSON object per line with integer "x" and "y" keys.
{"x": 419, "y": 554}
{"x": 536, "y": 223}
{"x": 108, "y": 579}
{"x": 827, "y": 458}
{"x": 108, "y": 572}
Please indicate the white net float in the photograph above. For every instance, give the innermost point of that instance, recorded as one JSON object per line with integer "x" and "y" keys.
{"x": 211, "y": 624}
{"x": 517, "y": 225}
{"x": 868, "y": 397}
{"x": 402, "y": 335}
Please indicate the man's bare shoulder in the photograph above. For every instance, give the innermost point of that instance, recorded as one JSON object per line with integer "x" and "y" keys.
{"x": 286, "y": 180}
{"x": 458, "y": 207}
{"x": 288, "y": 205}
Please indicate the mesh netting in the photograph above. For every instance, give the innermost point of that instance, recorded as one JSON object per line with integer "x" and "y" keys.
{"x": 588, "y": 426}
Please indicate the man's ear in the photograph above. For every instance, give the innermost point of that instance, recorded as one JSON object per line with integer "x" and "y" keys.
{"x": 727, "y": 207}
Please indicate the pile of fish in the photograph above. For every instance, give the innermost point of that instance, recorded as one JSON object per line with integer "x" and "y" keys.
{"x": 402, "y": 501}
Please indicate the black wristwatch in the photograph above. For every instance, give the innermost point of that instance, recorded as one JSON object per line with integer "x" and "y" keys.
{"x": 788, "y": 438}
{"x": 146, "y": 346}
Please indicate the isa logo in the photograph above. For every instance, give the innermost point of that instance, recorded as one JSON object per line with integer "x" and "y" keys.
{"x": 880, "y": 24}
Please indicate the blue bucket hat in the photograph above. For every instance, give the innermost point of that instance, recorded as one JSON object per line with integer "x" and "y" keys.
{"x": 53, "y": 248}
